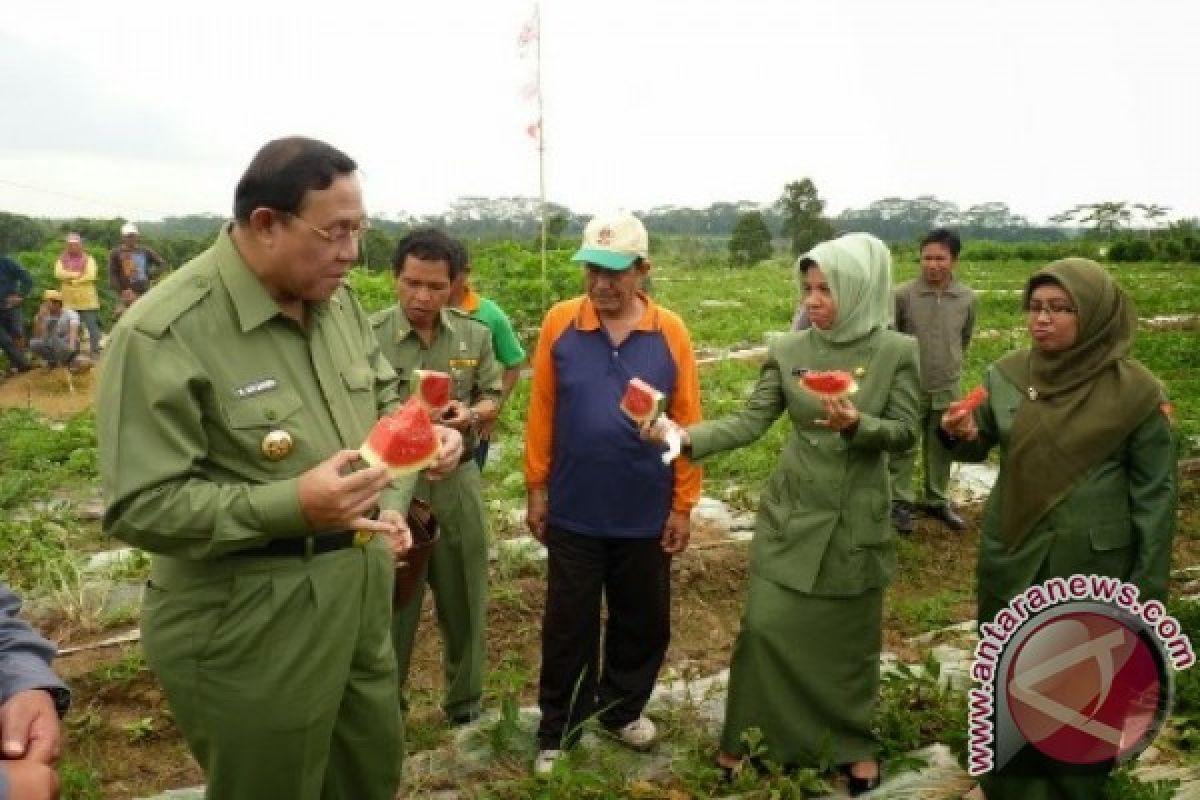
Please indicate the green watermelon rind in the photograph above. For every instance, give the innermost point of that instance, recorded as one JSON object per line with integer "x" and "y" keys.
{"x": 368, "y": 454}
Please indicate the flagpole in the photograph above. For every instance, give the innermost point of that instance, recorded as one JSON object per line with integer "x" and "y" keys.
{"x": 541, "y": 130}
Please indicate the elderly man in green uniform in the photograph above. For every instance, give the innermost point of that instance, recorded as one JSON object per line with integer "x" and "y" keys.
{"x": 228, "y": 417}
{"x": 423, "y": 332}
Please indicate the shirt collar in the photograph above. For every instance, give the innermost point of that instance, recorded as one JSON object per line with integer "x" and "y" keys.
{"x": 952, "y": 288}
{"x": 588, "y": 320}
{"x": 252, "y": 304}
{"x": 403, "y": 327}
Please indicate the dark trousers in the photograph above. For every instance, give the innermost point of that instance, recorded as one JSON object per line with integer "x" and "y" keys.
{"x": 12, "y": 330}
{"x": 634, "y": 578}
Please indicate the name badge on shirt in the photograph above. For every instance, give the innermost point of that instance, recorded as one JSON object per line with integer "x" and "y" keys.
{"x": 460, "y": 363}
{"x": 256, "y": 387}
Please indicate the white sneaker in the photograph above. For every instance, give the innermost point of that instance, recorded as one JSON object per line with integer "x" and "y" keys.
{"x": 543, "y": 765}
{"x": 639, "y": 734}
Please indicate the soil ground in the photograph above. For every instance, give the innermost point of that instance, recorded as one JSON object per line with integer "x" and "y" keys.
{"x": 121, "y": 731}
{"x": 121, "y": 722}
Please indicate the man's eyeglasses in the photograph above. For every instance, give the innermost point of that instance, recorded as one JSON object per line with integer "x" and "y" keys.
{"x": 1053, "y": 309}
{"x": 340, "y": 233}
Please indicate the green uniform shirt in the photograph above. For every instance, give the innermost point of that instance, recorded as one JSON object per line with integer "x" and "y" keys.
{"x": 1117, "y": 521}
{"x": 461, "y": 346}
{"x": 195, "y": 381}
{"x": 822, "y": 526}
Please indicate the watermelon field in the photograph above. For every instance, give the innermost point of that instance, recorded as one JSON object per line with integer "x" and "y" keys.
{"x": 121, "y": 740}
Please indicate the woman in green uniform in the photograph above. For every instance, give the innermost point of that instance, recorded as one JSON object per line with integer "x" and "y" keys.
{"x": 805, "y": 669}
{"x": 1087, "y": 479}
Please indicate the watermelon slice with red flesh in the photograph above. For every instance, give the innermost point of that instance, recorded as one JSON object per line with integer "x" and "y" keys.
{"x": 971, "y": 401}
{"x": 832, "y": 383}
{"x": 404, "y": 441}
{"x": 642, "y": 403}
{"x": 434, "y": 390}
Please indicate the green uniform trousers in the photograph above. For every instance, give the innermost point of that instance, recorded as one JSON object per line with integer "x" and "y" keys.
{"x": 457, "y": 575}
{"x": 935, "y": 459}
{"x": 805, "y": 675}
{"x": 280, "y": 671}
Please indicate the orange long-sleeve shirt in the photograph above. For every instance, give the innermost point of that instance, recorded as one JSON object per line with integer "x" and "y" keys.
{"x": 601, "y": 476}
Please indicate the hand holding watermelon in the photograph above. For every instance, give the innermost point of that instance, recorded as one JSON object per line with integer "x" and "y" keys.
{"x": 399, "y": 538}
{"x": 971, "y": 401}
{"x": 334, "y": 498}
{"x": 669, "y": 433}
{"x": 841, "y": 415}
{"x": 959, "y": 418}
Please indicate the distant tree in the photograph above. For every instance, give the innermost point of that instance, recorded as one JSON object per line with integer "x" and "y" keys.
{"x": 556, "y": 226}
{"x": 19, "y": 233}
{"x": 377, "y": 249}
{"x": 802, "y": 209}
{"x": 1106, "y": 219}
{"x": 1152, "y": 212}
{"x": 751, "y": 240}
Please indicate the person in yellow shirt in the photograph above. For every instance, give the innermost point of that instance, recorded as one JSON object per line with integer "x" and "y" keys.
{"x": 76, "y": 273}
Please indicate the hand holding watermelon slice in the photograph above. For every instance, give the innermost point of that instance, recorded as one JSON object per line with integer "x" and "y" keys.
{"x": 971, "y": 401}
{"x": 667, "y": 432}
{"x": 959, "y": 419}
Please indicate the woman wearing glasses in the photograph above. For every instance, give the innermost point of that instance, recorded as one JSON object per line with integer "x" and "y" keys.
{"x": 1087, "y": 479}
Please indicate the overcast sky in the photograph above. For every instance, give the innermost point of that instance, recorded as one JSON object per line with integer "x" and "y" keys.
{"x": 143, "y": 109}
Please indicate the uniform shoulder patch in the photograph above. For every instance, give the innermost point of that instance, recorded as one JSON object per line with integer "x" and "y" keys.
{"x": 155, "y": 314}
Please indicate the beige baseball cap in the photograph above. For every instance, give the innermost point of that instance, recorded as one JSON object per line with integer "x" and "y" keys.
{"x": 614, "y": 241}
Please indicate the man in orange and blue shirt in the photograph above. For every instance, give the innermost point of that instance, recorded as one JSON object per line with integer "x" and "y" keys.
{"x": 610, "y": 513}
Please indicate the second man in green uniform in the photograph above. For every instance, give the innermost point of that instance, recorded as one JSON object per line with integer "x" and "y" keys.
{"x": 423, "y": 332}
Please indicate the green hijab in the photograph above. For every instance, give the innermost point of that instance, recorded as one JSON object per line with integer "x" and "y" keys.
{"x": 1080, "y": 404}
{"x": 858, "y": 268}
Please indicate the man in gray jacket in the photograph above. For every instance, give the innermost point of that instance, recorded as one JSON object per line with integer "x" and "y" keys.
{"x": 32, "y": 698}
{"x": 940, "y": 312}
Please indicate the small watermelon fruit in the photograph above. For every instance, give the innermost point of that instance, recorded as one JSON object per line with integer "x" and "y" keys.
{"x": 642, "y": 403}
{"x": 971, "y": 401}
{"x": 832, "y": 384}
{"x": 404, "y": 441}
{"x": 434, "y": 390}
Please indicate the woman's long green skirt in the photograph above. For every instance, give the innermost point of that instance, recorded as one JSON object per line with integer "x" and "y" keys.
{"x": 805, "y": 674}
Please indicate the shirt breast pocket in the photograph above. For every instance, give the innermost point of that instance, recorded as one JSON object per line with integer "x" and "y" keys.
{"x": 359, "y": 381}
{"x": 266, "y": 429}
